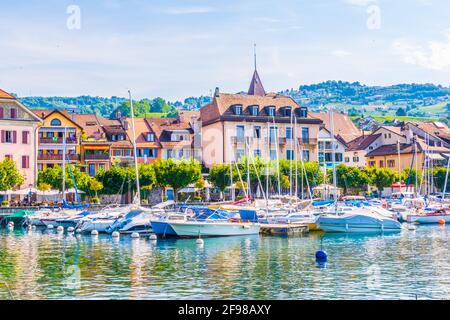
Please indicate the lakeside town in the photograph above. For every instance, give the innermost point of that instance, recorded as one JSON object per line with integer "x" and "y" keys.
{"x": 248, "y": 127}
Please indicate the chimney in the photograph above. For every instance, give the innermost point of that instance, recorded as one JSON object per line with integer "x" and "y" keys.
{"x": 118, "y": 114}
{"x": 216, "y": 92}
{"x": 126, "y": 125}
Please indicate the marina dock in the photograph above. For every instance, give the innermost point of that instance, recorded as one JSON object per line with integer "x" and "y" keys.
{"x": 284, "y": 229}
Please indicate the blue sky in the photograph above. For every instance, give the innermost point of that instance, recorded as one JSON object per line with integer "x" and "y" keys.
{"x": 176, "y": 49}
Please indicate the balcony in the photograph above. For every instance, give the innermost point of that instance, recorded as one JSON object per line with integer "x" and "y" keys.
{"x": 281, "y": 140}
{"x": 58, "y": 140}
{"x": 241, "y": 140}
{"x": 307, "y": 141}
{"x": 58, "y": 157}
{"x": 103, "y": 156}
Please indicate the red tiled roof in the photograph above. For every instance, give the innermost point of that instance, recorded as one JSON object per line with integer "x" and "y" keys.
{"x": 5, "y": 95}
{"x": 256, "y": 88}
{"x": 392, "y": 149}
{"x": 44, "y": 113}
{"x": 362, "y": 142}
{"x": 343, "y": 125}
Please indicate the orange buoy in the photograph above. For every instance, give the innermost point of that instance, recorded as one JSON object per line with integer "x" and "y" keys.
{"x": 442, "y": 221}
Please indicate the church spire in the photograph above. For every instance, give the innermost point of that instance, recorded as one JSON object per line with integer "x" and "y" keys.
{"x": 256, "y": 87}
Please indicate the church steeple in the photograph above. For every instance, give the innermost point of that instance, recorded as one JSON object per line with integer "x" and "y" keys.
{"x": 256, "y": 87}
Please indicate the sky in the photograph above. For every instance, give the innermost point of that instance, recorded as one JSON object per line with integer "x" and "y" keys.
{"x": 181, "y": 48}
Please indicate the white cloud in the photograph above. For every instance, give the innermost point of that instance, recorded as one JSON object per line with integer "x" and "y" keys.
{"x": 360, "y": 3}
{"x": 435, "y": 56}
{"x": 189, "y": 10}
{"x": 341, "y": 53}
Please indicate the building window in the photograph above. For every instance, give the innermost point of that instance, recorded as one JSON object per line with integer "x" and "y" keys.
{"x": 152, "y": 153}
{"x": 347, "y": 159}
{"x": 289, "y": 133}
{"x": 257, "y": 153}
{"x": 169, "y": 153}
{"x": 237, "y": 110}
{"x": 287, "y": 111}
{"x": 271, "y": 111}
{"x": 55, "y": 123}
{"x": 117, "y": 153}
{"x": 240, "y": 130}
{"x": 92, "y": 169}
{"x": 257, "y": 132}
{"x": 150, "y": 137}
{"x": 273, "y": 154}
{"x": 305, "y": 135}
{"x": 9, "y": 136}
{"x": 273, "y": 134}
{"x": 305, "y": 155}
{"x": 302, "y": 112}
{"x": 356, "y": 159}
{"x": 25, "y": 135}
{"x": 338, "y": 157}
{"x": 290, "y": 154}
{"x": 391, "y": 163}
{"x": 25, "y": 162}
{"x": 239, "y": 154}
{"x": 127, "y": 153}
{"x": 13, "y": 113}
{"x": 9, "y": 156}
{"x": 254, "y": 110}
{"x": 381, "y": 163}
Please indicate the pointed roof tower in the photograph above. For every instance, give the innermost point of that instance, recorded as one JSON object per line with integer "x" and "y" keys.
{"x": 256, "y": 87}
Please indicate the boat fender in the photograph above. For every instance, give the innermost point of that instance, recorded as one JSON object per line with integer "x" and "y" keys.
{"x": 115, "y": 234}
{"x": 50, "y": 226}
{"x": 60, "y": 229}
{"x": 321, "y": 256}
{"x": 153, "y": 237}
{"x": 441, "y": 221}
{"x": 70, "y": 229}
{"x": 135, "y": 235}
{"x": 94, "y": 232}
{"x": 199, "y": 241}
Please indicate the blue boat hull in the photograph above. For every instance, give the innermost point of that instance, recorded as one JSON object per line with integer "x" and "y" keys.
{"x": 162, "y": 228}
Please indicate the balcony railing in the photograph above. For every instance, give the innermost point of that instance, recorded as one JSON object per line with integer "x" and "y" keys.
{"x": 96, "y": 156}
{"x": 69, "y": 140}
{"x": 58, "y": 157}
{"x": 241, "y": 140}
{"x": 281, "y": 140}
{"x": 307, "y": 141}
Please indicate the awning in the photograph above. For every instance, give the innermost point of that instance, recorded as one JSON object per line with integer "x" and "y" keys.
{"x": 435, "y": 156}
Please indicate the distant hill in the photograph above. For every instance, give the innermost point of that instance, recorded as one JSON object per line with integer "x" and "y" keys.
{"x": 414, "y": 100}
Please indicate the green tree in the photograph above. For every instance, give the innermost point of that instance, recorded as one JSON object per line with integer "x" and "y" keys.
{"x": 117, "y": 179}
{"x": 95, "y": 186}
{"x": 349, "y": 178}
{"x": 439, "y": 178}
{"x": 410, "y": 176}
{"x": 400, "y": 112}
{"x": 176, "y": 173}
{"x": 220, "y": 177}
{"x": 54, "y": 178}
{"x": 381, "y": 177}
{"x": 10, "y": 176}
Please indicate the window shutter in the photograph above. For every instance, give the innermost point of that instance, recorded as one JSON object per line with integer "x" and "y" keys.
{"x": 3, "y": 136}
{"x": 13, "y": 113}
{"x": 14, "y": 136}
{"x": 1, "y": 113}
{"x": 25, "y": 137}
{"x": 24, "y": 162}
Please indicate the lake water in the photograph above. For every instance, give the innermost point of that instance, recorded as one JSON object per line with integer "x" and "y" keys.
{"x": 46, "y": 265}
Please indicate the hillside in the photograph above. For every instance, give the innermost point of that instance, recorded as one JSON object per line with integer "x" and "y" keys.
{"x": 411, "y": 100}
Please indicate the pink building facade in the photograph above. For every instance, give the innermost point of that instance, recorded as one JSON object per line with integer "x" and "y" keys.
{"x": 18, "y": 136}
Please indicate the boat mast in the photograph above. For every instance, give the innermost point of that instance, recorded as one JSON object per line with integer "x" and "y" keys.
{"x": 247, "y": 147}
{"x": 138, "y": 193}
{"x": 333, "y": 155}
{"x": 291, "y": 158}
{"x": 295, "y": 157}
{"x": 446, "y": 180}
{"x": 417, "y": 166}
{"x": 399, "y": 166}
{"x": 267, "y": 165}
{"x": 64, "y": 166}
{"x": 275, "y": 128}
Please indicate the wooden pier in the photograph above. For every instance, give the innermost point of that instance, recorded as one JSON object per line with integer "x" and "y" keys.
{"x": 284, "y": 229}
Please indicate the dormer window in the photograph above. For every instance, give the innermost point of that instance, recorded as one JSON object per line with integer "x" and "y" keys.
{"x": 286, "y": 111}
{"x": 270, "y": 111}
{"x": 150, "y": 137}
{"x": 55, "y": 123}
{"x": 302, "y": 112}
{"x": 13, "y": 113}
{"x": 237, "y": 110}
{"x": 254, "y": 110}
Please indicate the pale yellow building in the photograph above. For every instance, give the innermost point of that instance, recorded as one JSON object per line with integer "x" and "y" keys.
{"x": 257, "y": 124}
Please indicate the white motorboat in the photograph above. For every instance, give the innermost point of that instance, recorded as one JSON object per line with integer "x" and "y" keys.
{"x": 360, "y": 220}
{"x": 193, "y": 229}
{"x": 440, "y": 216}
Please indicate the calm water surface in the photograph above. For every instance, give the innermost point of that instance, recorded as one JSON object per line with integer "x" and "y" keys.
{"x": 47, "y": 265}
